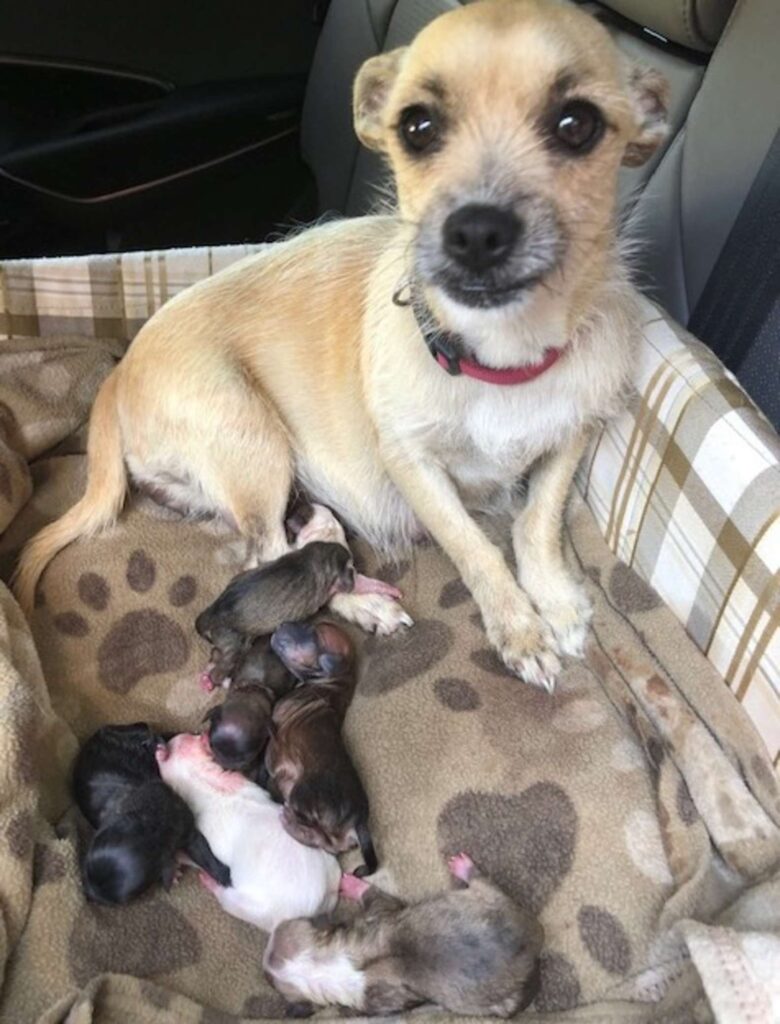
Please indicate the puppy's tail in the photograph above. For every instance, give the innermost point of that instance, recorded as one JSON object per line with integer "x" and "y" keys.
{"x": 99, "y": 506}
{"x": 370, "y": 862}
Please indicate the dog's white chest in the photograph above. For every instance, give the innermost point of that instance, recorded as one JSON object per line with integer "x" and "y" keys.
{"x": 493, "y": 438}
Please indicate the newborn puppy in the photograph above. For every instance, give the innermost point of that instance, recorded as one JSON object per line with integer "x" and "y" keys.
{"x": 307, "y": 764}
{"x": 373, "y": 605}
{"x": 115, "y": 760}
{"x": 273, "y": 877}
{"x": 238, "y": 728}
{"x": 470, "y": 951}
{"x": 141, "y": 823}
{"x": 255, "y": 602}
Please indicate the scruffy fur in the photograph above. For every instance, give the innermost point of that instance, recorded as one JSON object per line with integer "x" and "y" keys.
{"x": 297, "y": 363}
{"x": 470, "y": 951}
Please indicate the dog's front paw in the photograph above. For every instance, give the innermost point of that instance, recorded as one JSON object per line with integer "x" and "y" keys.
{"x": 526, "y": 646}
{"x": 374, "y": 612}
{"x": 533, "y": 660}
{"x": 569, "y": 621}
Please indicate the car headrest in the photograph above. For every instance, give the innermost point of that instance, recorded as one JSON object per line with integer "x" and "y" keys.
{"x": 697, "y": 24}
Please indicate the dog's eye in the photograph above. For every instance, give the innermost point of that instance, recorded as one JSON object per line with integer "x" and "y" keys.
{"x": 579, "y": 126}
{"x": 418, "y": 127}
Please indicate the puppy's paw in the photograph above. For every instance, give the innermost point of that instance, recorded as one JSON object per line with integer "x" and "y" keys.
{"x": 208, "y": 882}
{"x": 461, "y": 866}
{"x": 352, "y": 888}
{"x": 374, "y": 612}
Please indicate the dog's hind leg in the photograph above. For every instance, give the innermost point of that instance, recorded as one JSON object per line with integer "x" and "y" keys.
{"x": 235, "y": 457}
{"x": 253, "y": 491}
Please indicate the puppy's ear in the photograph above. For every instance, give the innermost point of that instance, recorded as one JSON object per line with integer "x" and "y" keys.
{"x": 370, "y": 93}
{"x": 649, "y": 94}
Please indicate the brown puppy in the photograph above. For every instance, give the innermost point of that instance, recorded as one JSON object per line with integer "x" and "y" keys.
{"x": 238, "y": 729}
{"x": 505, "y": 123}
{"x": 306, "y": 761}
{"x": 470, "y": 951}
{"x": 255, "y": 602}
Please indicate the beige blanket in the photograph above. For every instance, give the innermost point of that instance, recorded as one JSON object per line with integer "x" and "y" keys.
{"x": 634, "y": 810}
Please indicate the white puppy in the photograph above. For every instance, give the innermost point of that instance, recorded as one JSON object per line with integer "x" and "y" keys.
{"x": 274, "y": 877}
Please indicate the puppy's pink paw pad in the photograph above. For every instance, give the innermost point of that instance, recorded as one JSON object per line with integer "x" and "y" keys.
{"x": 352, "y": 888}
{"x": 208, "y": 882}
{"x": 205, "y": 681}
{"x": 461, "y": 866}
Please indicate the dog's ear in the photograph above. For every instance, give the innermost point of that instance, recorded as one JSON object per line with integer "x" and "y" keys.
{"x": 649, "y": 93}
{"x": 369, "y": 96}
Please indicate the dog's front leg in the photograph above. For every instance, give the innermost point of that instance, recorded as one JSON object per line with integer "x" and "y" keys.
{"x": 537, "y": 540}
{"x": 519, "y": 635}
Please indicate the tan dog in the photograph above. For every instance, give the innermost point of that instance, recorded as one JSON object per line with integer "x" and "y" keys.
{"x": 505, "y": 123}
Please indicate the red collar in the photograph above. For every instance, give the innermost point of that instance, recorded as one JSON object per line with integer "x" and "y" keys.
{"x": 515, "y": 375}
{"x": 445, "y": 348}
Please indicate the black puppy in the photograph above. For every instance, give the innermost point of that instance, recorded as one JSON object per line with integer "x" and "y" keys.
{"x": 258, "y": 601}
{"x": 141, "y": 823}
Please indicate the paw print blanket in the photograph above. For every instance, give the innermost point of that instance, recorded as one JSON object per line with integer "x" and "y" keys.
{"x": 634, "y": 810}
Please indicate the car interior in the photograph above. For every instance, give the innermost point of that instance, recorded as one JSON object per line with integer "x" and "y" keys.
{"x": 234, "y": 123}
{"x": 635, "y": 810}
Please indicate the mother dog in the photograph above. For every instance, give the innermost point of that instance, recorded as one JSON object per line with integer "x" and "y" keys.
{"x": 408, "y": 367}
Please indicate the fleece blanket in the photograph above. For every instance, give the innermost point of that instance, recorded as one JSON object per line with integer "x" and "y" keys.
{"x": 634, "y": 810}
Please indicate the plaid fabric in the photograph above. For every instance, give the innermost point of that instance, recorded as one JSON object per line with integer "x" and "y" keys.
{"x": 101, "y": 296}
{"x": 685, "y": 486}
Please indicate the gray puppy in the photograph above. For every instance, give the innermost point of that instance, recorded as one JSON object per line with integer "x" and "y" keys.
{"x": 470, "y": 951}
{"x": 258, "y": 601}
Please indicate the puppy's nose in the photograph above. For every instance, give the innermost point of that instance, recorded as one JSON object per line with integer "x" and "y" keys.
{"x": 480, "y": 237}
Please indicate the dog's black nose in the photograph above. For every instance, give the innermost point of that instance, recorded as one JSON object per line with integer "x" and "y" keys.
{"x": 480, "y": 237}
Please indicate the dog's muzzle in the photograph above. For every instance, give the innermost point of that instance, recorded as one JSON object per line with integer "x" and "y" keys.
{"x": 488, "y": 254}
